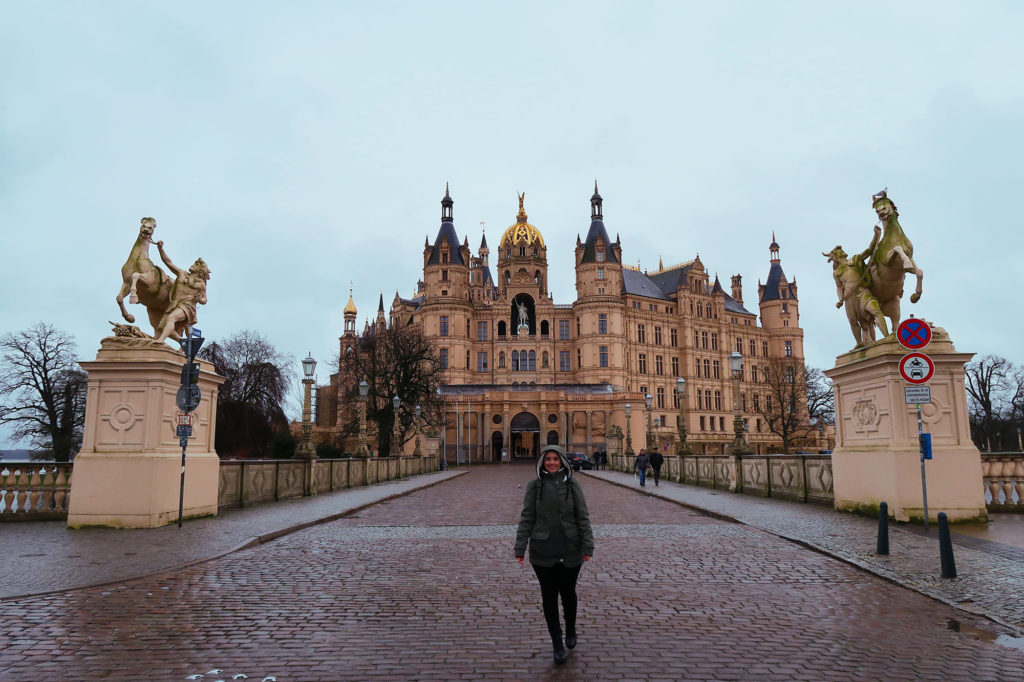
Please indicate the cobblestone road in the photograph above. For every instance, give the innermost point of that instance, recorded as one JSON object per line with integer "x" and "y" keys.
{"x": 425, "y": 587}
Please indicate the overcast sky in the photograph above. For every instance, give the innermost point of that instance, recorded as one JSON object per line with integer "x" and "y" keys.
{"x": 299, "y": 146}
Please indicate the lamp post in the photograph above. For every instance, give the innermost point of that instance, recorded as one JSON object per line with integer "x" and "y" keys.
{"x": 442, "y": 456}
{"x": 629, "y": 437}
{"x": 419, "y": 411}
{"x": 648, "y": 401}
{"x": 305, "y": 449}
{"x": 682, "y": 448}
{"x": 364, "y": 390}
{"x": 396, "y": 449}
{"x": 739, "y": 443}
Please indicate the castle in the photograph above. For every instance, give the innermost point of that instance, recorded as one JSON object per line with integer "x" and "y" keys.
{"x": 522, "y": 370}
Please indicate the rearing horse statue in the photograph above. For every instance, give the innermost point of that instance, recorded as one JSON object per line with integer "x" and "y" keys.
{"x": 891, "y": 259}
{"x": 142, "y": 281}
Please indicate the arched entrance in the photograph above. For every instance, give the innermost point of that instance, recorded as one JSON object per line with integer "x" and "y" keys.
{"x": 524, "y": 433}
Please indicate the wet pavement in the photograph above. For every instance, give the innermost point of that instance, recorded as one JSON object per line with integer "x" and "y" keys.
{"x": 424, "y": 586}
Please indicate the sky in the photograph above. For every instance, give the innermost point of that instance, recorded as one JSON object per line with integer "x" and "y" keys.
{"x": 300, "y": 147}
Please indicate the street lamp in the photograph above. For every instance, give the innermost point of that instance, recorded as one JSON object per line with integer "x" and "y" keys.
{"x": 396, "y": 450}
{"x": 629, "y": 438}
{"x": 682, "y": 448}
{"x": 739, "y": 443}
{"x": 419, "y": 410}
{"x": 305, "y": 449}
{"x": 648, "y": 401}
{"x": 442, "y": 461}
{"x": 364, "y": 390}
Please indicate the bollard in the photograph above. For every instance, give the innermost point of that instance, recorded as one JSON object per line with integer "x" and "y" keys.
{"x": 946, "y": 548}
{"x": 883, "y": 529}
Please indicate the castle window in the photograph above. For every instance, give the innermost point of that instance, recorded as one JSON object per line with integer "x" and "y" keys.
{"x": 702, "y": 423}
{"x": 444, "y": 257}
{"x": 444, "y": 275}
{"x": 675, "y": 368}
{"x": 711, "y": 421}
{"x": 764, "y": 348}
{"x": 707, "y": 400}
{"x": 696, "y": 339}
{"x": 753, "y": 373}
{"x": 757, "y": 407}
{"x": 659, "y": 365}
{"x": 501, "y": 359}
{"x": 522, "y": 251}
{"x": 579, "y": 359}
{"x": 758, "y": 423}
{"x": 444, "y": 292}
{"x": 700, "y": 310}
{"x": 501, "y": 329}
{"x": 563, "y": 361}
{"x": 707, "y": 368}
{"x": 602, "y": 323}
{"x": 533, "y": 361}
{"x": 709, "y": 310}
{"x": 785, "y": 307}
{"x": 600, "y": 273}
{"x": 640, "y": 334}
{"x": 544, "y": 360}
{"x": 515, "y": 361}
{"x": 642, "y": 363}
{"x": 721, "y": 423}
{"x": 600, "y": 255}
{"x": 657, "y": 336}
{"x": 789, "y": 349}
{"x": 603, "y": 353}
{"x": 563, "y": 330}
{"x": 673, "y": 335}
{"x": 661, "y": 398}
{"x": 715, "y": 369}
{"x": 577, "y": 326}
{"x": 714, "y": 340}
{"x": 753, "y": 348}
{"x": 675, "y": 404}
{"x": 467, "y": 360}
{"x": 444, "y": 325}
{"x": 444, "y": 358}
{"x": 544, "y": 328}
{"x": 481, "y": 331}
{"x": 704, "y": 340}
{"x": 785, "y": 323}
{"x": 718, "y": 400}
{"x": 481, "y": 362}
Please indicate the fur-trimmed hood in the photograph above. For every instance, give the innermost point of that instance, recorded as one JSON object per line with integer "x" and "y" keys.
{"x": 561, "y": 455}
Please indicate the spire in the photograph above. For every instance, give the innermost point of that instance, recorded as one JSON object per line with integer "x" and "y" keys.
{"x": 380, "y": 306}
{"x": 597, "y": 233}
{"x": 595, "y": 204}
{"x": 483, "y": 238}
{"x": 773, "y": 249}
{"x": 350, "y": 307}
{"x": 446, "y": 206}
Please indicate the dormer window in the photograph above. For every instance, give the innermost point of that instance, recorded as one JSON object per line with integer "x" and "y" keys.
{"x": 522, "y": 251}
{"x": 600, "y": 256}
{"x": 444, "y": 257}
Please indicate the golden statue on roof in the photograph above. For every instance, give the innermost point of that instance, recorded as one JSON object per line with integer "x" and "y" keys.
{"x": 522, "y": 233}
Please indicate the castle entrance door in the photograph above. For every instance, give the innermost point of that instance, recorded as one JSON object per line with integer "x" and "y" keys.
{"x": 524, "y": 434}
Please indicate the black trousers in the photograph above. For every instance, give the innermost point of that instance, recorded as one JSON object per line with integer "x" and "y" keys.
{"x": 554, "y": 581}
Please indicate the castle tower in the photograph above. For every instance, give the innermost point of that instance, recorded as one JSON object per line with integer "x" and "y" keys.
{"x": 350, "y": 313}
{"x": 780, "y": 313}
{"x": 523, "y": 275}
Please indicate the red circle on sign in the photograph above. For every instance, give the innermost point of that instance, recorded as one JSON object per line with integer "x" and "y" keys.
{"x": 913, "y": 333}
{"x": 917, "y": 368}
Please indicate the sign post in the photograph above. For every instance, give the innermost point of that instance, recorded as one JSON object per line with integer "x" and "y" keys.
{"x": 917, "y": 369}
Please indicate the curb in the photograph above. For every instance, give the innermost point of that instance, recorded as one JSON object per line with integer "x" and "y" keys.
{"x": 247, "y": 544}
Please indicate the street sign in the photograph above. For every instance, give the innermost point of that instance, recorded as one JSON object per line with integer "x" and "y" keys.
{"x": 188, "y": 398}
{"x": 913, "y": 334}
{"x": 917, "y": 368}
{"x": 183, "y": 431}
{"x": 184, "y": 419}
{"x": 917, "y": 395}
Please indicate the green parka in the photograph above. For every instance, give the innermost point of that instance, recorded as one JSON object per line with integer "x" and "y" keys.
{"x": 555, "y": 520}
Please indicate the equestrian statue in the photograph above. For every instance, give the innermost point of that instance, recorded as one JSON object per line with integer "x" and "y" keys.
{"x": 870, "y": 284}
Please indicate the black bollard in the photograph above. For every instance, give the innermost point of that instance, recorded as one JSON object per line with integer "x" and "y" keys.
{"x": 946, "y": 548}
{"x": 883, "y": 529}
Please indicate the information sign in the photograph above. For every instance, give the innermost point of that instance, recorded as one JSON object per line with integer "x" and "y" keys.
{"x": 917, "y": 368}
{"x": 184, "y": 419}
{"x": 188, "y": 398}
{"x": 917, "y": 395}
{"x": 183, "y": 431}
{"x": 914, "y": 334}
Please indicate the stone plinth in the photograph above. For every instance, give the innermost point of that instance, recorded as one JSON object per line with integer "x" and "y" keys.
{"x": 127, "y": 474}
{"x": 877, "y": 457}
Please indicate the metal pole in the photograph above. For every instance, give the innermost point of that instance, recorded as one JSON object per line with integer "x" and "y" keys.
{"x": 924, "y": 480}
{"x": 181, "y": 490}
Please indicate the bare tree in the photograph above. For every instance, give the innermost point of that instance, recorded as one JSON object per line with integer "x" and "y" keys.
{"x": 250, "y": 403}
{"x": 43, "y": 390}
{"x": 796, "y": 398}
{"x": 392, "y": 362}
{"x": 990, "y": 398}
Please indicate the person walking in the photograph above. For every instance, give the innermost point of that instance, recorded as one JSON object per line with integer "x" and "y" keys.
{"x": 640, "y": 465}
{"x": 656, "y": 461}
{"x": 556, "y": 524}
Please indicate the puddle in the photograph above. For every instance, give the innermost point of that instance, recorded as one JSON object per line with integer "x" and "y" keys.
{"x": 986, "y": 635}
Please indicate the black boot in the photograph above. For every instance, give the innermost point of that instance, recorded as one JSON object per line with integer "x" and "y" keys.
{"x": 559, "y": 649}
{"x": 570, "y": 636}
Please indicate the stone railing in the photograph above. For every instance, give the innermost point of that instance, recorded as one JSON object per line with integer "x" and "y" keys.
{"x": 250, "y": 481}
{"x": 1003, "y": 474}
{"x": 34, "y": 490}
{"x": 42, "y": 490}
{"x": 802, "y": 477}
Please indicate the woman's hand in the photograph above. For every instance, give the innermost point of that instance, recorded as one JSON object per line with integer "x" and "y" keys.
{"x": 586, "y": 557}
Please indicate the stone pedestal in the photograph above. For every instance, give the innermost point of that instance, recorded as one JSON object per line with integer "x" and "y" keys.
{"x": 877, "y": 457}
{"x": 127, "y": 474}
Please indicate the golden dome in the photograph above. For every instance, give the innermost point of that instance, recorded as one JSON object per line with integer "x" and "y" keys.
{"x": 350, "y": 307}
{"x": 522, "y": 233}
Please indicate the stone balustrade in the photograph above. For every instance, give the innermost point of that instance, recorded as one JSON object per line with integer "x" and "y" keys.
{"x": 1003, "y": 474}
{"x": 34, "y": 490}
{"x": 41, "y": 490}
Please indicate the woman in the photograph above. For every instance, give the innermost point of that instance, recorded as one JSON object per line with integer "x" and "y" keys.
{"x": 556, "y": 523}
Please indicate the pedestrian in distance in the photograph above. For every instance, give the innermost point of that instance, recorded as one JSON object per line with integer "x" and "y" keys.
{"x": 656, "y": 461}
{"x": 556, "y": 525}
{"x": 640, "y": 465}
